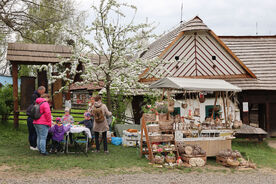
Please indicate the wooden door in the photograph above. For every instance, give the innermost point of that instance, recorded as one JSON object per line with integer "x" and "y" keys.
{"x": 272, "y": 119}
{"x": 27, "y": 88}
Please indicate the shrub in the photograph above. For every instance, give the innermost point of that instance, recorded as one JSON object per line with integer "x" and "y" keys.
{"x": 6, "y": 102}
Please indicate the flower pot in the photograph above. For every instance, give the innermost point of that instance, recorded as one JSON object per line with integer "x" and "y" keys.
{"x": 170, "y": 159}
{"x": 149, "y": 117}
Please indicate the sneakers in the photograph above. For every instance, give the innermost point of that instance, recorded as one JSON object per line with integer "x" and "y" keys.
{"x": 106, "y": 152}
{"x": 95, "y": 151}
{"x": 45, "y": 154}
{"x": 34, "y": 149}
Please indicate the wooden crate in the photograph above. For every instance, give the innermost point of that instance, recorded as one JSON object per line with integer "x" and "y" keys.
{"x": 186, "y": 158}
{"x": 212, "y": 147}
{"x": 223, "y": 161}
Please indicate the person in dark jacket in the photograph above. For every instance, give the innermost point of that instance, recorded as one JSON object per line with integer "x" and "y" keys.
{"x": 32, "y": 132}
{"x": 87, "y": 122}
{"x": 58, "y": 131}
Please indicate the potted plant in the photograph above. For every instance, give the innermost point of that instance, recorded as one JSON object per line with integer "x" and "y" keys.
{"x": 162, "y": 110}
{"x": 159, "y": 158}
{"x": 170, "y": 158}
{"x": 149, "y": 113}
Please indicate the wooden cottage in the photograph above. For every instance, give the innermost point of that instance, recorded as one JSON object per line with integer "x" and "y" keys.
{"x": 195, "y": 51}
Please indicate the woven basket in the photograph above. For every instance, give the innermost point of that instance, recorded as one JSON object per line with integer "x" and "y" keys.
{"x": 170, "y": 159}
{"x": 166, "y": 125}
{"x": 153, "y": 128}
{"x": 156, "y": 138}
{"x": 149, "y": 117}
{"x": 180, "y": 146}
{"x": 167, "y": 137}
{"x": 158, "y": 160}
{"x": 186, "y": 158}
{"x": 163, "y": 117}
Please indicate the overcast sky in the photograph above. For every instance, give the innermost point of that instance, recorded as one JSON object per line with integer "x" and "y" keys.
{"x": 224, "y": 17}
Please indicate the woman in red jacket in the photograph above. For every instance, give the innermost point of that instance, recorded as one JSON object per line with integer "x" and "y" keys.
{"x": 43, "y": 124}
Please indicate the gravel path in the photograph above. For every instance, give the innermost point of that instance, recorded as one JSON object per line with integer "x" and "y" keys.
{"x": 254, "y": 177}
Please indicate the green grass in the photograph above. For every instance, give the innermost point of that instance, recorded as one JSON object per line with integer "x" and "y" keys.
{"x": 259, "y": 153}
{"x": 15, "y": 153}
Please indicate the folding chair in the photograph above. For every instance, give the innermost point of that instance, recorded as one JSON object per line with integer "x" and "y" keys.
{"x": 81, "y": 139}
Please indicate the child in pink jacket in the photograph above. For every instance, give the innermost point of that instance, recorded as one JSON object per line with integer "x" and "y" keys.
{"x": 43, "y": 124}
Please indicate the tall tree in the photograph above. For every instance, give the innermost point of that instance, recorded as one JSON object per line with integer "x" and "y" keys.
{"x": 4, "y": 37}
{"x": 44, "y": 24}
{"x": 117, "y": 43}
{"x": 22, "y": 15}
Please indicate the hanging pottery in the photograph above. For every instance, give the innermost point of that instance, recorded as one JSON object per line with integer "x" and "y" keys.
{"x": 201, "y": 98}
{"x": 184, "y": 105}
{"x": 197, "y": 112}
{"x": 190, "y": 116}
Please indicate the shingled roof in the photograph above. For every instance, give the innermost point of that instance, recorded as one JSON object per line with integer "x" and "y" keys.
{"x": 157, "y": 47}
{"x": 258, "y": 53}
{"x": 24, "y": 53}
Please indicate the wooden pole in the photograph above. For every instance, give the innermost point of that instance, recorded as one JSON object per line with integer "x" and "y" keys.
{"x": 142, "y": 135}
{"x": 224, "y": 108}
{"x": 15, "y": 94}
{"x": 144, "y": 129}
{"x": 215, "y": 103}
{"x": 267, "y": 109}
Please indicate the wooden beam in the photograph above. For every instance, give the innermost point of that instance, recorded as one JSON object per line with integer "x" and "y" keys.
{"x": 15, "y": 95}
{"x": 224, "y": 109}
{"x": 245, "y": 115}
{"x": 231, "y": 53}
{"x": 267, "y": 109}
{"x": 171, "y": 44}
{"x": 203, "y": 77}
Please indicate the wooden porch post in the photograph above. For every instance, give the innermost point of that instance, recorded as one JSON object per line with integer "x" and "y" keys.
{"x": 15, "y": 94}
{"x": 245, "y": 115}
{"x": 267, "y": 109}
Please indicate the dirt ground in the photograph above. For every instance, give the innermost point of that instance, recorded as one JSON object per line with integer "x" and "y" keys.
{"x": 272, "y": 143}
{"x": 210, "y": 174}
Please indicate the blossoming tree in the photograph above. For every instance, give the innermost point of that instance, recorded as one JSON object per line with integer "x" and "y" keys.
{"x": 118, "y": 43}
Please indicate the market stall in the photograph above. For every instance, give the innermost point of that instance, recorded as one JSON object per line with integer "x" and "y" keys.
{"x": 207, "y": 135}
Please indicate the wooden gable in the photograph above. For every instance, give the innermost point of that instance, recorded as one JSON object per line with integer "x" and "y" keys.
{"x": 199, "y": 53}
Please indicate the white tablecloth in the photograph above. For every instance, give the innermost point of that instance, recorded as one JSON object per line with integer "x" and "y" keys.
{"x": 78, "y": 129}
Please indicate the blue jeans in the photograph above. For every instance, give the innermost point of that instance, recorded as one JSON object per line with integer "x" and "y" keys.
{"x": 42, "y": 132}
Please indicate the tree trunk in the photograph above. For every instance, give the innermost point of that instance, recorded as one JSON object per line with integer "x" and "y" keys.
{"x": 108, "y": 97}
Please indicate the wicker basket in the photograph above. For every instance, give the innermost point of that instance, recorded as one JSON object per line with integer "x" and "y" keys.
{"x": 153, "y": 128}
{"x": 149, "y": 117}
{"x": 158, "y": 160}
{"x": 166, "y": 125}
{"x": 180, "y": 146}
{"x": 156, "y": 138}
{"x": 167, "y": 137}
{"x": 170, "y": 159}
{"x": 163, "y": 117}
{"x": 186, "y": 158}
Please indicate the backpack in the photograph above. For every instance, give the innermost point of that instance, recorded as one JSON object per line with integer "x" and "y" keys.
{"x": 98, "y": 114}
{"x": 34, "y": 111}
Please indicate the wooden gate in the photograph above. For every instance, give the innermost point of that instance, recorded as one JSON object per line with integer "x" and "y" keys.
{"x": 27, "y": 88}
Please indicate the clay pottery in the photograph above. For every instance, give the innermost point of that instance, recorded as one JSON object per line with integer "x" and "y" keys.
{"x": 184, "y": 105}
{"x": 197, "y": 112}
